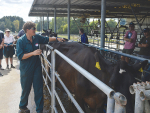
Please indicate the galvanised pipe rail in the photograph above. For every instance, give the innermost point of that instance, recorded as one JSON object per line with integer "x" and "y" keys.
{"x": 119, "y": 53}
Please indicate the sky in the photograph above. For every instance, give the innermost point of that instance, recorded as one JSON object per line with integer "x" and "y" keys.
{"x": 19, "y": 8}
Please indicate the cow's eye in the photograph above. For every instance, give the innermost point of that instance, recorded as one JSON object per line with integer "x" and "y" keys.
{"x": 92, "y": 110}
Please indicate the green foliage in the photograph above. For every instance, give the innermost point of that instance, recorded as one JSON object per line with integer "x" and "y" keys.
{"x": 112, "y": 23}
{"x": 62, "y": 25}
{"x": 14, "y": 23}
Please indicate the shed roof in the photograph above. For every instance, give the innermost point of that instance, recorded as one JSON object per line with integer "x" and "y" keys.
{"x": 91, "y": 8}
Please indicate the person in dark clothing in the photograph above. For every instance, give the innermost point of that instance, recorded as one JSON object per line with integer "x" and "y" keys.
{"x": 144, "y": 45}
{"x": 84, "y": 38}
{"x": 30, "y": 66}
{"x": 1, "y": 47}
{"x": 21, "y": 33}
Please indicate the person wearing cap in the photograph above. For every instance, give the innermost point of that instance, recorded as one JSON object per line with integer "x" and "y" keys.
{"x": 9, "y": 50}
{"x": 30, "y": 66}
{"x": 130, "y": 38}
{"x": 1, "y": 48}
{"x": 144, "y": 52}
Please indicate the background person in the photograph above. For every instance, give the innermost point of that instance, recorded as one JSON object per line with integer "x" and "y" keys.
{"x": 84, "y": 38}
{"x": 21, "y": 33}
{"x": 144, "y": 45}
{"x": 9, "y": 51}
{"x": 30, "y": 66}
{"x": 1, "y": 47}
{"x": 130, "y": 38}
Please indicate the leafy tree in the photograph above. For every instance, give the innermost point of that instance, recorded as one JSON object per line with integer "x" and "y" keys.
{"x": 16, "y": 24}
{"x": 112, "y": 23}
{"x": 2, "y": 26}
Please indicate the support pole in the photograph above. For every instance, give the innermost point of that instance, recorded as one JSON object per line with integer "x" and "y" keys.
{"x": 53, "y": 82}
{"x": 136, "y": 18}
{"x": 110, "y": 105}
{"x": 103, "y": 14}
{"x": 55, "y": 20}
{"x": 40, "y": 24}
{"x": 47, "y": 21}
{"x": 43, "y": 22}
{"x": 68, "y": 19}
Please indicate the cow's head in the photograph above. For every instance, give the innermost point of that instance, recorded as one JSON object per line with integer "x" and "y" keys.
{"x": 123, "y": 71}
{"x": 122, "y": 77}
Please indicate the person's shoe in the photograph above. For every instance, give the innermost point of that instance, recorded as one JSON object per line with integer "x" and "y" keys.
{"x": 1, "y": 74}
{"x": 12, "y": 66}
{"x": 26, "y": 110}
{"x": 1, "y": 68}
{"x": 7, "y": 67}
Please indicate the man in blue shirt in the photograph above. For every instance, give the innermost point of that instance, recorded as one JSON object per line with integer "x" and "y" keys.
{"x": 84, "y": 38}
{"x": 21, "y": 33}
{"x": 30, "y": 66}
{"x": 1, "y": 47}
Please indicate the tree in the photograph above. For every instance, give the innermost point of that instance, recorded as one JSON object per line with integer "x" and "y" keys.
{"x": 112, "y": 23}
{"x": 16, "y": 24}
{"x": 2, "y": 26}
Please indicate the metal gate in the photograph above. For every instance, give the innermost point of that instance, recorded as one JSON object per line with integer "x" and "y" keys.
{"x": 116, "y": 102}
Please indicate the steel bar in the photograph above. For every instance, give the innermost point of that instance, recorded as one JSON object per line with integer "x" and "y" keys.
{"x": 47, "y": 21}
{"x": 43, "y": 22}
{"x": 53, "y": 81}
{"x": 69, "y": 94}
{"x": 136, "y": 18}
{"x": 106, "y": 89}
{"x": 103, "y": 15}
{"x": 55, "y": 20}
{"x": 60, "y": 103}
{"x": 47, "y": 86}
{"x": 110, "y": 105}
{"x": 119, "y": 53}
{"x": 68, "y": 19}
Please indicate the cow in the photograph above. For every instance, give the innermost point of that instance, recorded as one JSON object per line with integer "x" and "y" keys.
{"x": 119, "y": 76}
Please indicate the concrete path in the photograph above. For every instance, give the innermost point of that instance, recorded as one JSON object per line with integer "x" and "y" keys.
{"x": 10, "y": 90}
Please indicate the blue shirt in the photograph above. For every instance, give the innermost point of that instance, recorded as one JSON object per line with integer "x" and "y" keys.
{"x": 84, "y": 38}
{"x": 21, "y": 33}
{"x": 27, "y": 66}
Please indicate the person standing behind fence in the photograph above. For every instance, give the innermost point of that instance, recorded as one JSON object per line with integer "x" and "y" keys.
{"x": 130, "y": 38}
{"x": 9, "y": 50}
{"x": 21, "y": 33}
{"x": 144, "y": 45}
{"x": 84, "y": 38}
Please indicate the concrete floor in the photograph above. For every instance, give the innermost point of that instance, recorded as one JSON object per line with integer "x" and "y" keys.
{"x": 10, "y": 90}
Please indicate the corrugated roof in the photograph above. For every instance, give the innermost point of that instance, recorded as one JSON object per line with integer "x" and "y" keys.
{"x": 91, "y": 8}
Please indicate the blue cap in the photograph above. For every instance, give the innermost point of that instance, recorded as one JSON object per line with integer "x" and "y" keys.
{"x": 131, "y": 23}
{"x": 146, "y": 30}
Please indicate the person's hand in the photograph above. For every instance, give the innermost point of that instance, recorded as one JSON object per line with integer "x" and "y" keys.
{"x": 60, "y": 39}
{"x": 1, "y": 46}
{"x": 12, "y": 45}
{"x": 5, "y": 45}
{"x": 37, "y": 52}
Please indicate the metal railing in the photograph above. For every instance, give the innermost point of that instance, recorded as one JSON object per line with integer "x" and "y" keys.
{"x": 142, "y": 95}
{"x": 115, "y": 102}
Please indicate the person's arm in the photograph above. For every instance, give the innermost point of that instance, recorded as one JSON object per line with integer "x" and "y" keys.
{"x": 140, "y": 43}
{"x": 34, "y": 53}
{"x": 54, "y": 39}
{"x": 2, "y": 43}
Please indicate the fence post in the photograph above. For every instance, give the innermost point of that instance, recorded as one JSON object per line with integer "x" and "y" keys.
{"x": 110, "y": 105}
{"x": 53, "y": 81}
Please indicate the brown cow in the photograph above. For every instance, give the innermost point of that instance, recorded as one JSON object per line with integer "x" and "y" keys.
{"x": 89, "y": 97}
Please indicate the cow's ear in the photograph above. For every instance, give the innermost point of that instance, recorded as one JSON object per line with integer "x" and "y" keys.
{"x": 140, "y": 66}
